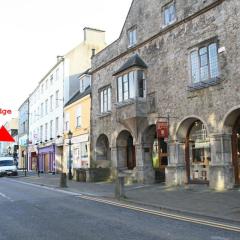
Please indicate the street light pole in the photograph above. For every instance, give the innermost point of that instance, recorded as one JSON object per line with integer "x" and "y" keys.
{"x": 70, "y": 156}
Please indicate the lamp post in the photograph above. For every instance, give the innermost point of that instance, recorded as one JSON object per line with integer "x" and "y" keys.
{"x": 70, "y": 134}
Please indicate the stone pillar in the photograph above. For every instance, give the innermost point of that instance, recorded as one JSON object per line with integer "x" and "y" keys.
{"x": 221, "y": 174}
{"x": 145, "y": 171}
{"x": 176, "y": 169}
{"x": 114, "y": 163}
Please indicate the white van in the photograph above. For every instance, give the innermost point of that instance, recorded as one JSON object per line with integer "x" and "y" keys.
{"x": 7, "y": 166}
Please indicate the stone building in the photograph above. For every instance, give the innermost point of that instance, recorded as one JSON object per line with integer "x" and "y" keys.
{"x": 175, "y": 62}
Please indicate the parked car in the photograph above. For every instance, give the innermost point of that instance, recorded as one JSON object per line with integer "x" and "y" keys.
{"x": 8, "y": 166}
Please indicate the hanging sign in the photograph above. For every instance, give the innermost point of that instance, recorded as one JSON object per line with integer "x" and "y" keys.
{"x": 162, "y": 129}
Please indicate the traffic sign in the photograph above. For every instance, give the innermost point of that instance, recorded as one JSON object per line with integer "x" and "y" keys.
{"x": 5, "y": 136}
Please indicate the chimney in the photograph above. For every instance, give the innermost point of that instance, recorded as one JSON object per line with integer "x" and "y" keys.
{"x": 93, "y": 52}
{"x": 60, "y": 58}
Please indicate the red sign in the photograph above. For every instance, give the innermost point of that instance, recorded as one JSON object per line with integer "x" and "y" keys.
{"x": 5, "y": 136}
{"x": 5, "y": 111}
{"x": 162, "y": 129}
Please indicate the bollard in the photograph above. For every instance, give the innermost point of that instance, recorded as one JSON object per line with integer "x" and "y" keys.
{"x": 63, "y": 180}
{"x": 119, "y": 188}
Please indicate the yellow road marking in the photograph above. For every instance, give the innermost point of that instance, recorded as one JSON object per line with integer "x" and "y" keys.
{"x": 164, "y": 214}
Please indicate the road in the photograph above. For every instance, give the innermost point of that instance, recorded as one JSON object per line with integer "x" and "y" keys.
{"x": 34, "y": 213}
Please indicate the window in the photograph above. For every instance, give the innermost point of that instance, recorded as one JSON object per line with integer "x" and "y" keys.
{"x": 57, "y": 96}
{"x": 84, "y": 150}
{"x": 85, "y": 82}
{"x": 169, "y": 14}
{"x": 46, "y": 85}
{"x": 46, "y": 131}
{"x": 41, "y": 133}
{"x": 51, "y": 103}
{"x": 57, "y": 74}
{"x": 130, "y": 85}
{"x": 67, "y": 118}
{"x": 105, "y": 99}
{"x": 42, "y": 89}
{"x": 132, "y": 37}
{"x": 46, "y": 107}
{"x": 78, "y": 117}
{"x": 204, "y": 63}
{"x": 51, "y": 129}
{"x": 41, "y": 109}
{"x": 56, "y": 125}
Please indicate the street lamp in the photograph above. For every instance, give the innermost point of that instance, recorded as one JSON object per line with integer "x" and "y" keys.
{"x": 70, "y": 134}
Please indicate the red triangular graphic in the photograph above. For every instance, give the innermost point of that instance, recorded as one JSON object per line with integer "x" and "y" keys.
{"x": 5, "y": 136}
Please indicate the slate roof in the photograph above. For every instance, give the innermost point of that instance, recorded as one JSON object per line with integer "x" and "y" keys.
{"x": 134, "y": 61}
{"x": 78, "y": 95}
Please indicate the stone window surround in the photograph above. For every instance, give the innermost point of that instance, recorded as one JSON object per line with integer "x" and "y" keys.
{"x": 211, "y": 81}
{"x": 131, "y": 29}
{"x": 100, "y": 114}
{"x": 163, "y": 13}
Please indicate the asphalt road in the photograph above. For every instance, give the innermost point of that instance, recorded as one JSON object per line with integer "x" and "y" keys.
{"x": 34, "y": 213}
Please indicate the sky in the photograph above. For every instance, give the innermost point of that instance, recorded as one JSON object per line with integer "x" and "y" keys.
{"x": 34, "y": 32}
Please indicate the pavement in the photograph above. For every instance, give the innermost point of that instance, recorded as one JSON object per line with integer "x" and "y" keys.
{"x": 196, "y": 200}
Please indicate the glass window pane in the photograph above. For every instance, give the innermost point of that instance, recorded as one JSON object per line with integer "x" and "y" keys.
{"x": 105, "y": 100}
{"x": 101, "y": 101}
{"x": 195, "y": 67}
{"x": 213, "y": 60}
{"x": 120, "y": 96}
{"x": 109, "y": 99}
{"x": 125, "y": 87}
{"x": 132, "y": 89}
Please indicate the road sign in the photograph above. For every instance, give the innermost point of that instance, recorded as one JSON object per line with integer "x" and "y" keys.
{"x": 5, "y": 136}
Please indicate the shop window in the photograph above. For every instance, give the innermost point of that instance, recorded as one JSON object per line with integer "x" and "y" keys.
{"x": 199, "y": 152}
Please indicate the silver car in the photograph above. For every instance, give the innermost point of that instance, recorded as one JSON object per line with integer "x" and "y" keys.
{"x": 7, "y": 166}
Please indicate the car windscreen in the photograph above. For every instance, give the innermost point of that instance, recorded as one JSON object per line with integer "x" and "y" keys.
{"x": 6, "y": 163}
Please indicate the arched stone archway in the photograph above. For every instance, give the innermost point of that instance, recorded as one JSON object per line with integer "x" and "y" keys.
{"x": 231, "y": 124}
{"x": 102, "y": 152}
{"x": 126, "y": 155}
{"x": 194, "y": 138}
{"x": 155, "y": 154}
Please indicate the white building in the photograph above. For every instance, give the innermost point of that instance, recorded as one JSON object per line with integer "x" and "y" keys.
{"x": 46, "y": 121}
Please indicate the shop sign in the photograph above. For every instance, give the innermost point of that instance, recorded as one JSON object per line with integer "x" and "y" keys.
{"x": 162, "y": 129}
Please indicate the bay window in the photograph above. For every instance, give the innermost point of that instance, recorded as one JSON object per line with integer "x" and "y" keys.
{"x": 131, "y": 85}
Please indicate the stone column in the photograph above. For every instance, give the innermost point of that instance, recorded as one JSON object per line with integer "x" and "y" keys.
{"x": 221, "y": 174}
{"x": 176, "y": 169}
{"x": 114, "y": 163}
{"x": 145, "y": 171}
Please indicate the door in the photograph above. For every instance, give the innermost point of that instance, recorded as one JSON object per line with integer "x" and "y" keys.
{"x": 131, "y": 155}
{"x": 46, "y": 163}
{"x": 236, "y": 151}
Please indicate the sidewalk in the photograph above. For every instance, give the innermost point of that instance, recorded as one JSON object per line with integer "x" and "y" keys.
{"x": 196, "y": 200}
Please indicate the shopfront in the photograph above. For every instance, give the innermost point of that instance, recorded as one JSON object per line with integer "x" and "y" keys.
{"x": 46, "y": 157}
{"x": 197, "y": 153}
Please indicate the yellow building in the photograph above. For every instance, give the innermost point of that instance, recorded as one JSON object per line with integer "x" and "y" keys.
{"x": 77, "y": 120}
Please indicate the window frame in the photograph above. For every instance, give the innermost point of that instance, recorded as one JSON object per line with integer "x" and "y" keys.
{"x": 135, "y": 84}
{"x": 197, "y": 48}
{"x": 108, "y": 90}
{"x": 164, "y": 8}
{"x": 129, "y": 32}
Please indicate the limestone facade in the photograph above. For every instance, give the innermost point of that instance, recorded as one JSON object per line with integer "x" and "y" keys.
{"x": 123, "y": 134}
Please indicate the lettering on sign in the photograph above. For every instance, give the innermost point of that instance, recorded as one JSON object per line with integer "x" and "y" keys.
{"x": 5, "y": 111}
